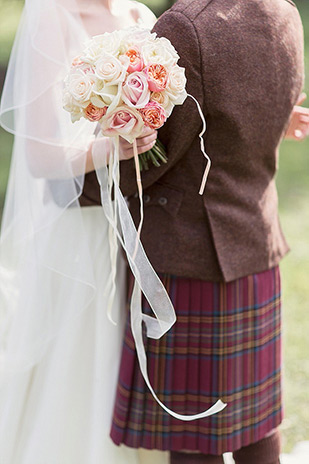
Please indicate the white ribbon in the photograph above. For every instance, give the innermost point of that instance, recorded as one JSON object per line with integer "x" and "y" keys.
{"x": 146, "y": 279}
{"x": 207, "y": 169}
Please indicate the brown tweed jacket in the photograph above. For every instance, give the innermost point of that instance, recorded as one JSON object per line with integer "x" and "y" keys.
{"x": 244, "y": 64}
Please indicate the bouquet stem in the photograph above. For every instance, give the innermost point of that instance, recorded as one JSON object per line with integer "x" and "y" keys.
{"x": 156, "y": 156}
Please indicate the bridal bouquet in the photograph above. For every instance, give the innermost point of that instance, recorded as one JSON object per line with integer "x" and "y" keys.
{"x": 126, "y": 80}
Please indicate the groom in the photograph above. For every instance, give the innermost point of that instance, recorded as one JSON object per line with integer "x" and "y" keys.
{"x": 244, "y": 64}
{"x": 247, "y": 81}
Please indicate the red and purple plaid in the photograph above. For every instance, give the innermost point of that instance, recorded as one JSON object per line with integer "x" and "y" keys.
{"x": 225, "y": 344}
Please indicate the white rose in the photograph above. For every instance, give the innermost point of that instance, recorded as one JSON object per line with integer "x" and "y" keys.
{"x": 109, "y": 94}
{"x": 110, "y": 69}
{"x": 80, "y": 85}
{"x": 97, "y": 101}
{"x": 92, "y": 53}
{"x": 109, "y": 42}
{"x": 169, "y": 46}
{"x": 164, "y": 100}
{"x": 72, "y": 107}
{"x": 176, "y": 85}
{"x": 137, "y": 36}
{"x": 160, "y": 51}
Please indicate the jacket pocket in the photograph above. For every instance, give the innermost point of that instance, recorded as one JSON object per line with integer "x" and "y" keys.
{"x": 162, "y": 196}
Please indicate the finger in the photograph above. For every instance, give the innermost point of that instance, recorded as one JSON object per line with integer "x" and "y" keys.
{"x": 126, "y": 146}
{"x": 140, "y": 142}
{"x": 305, "y": 129}
{"x": 301, "y": 111}
{"x": 146, "y": 140}
{"x": 142, "y": 145}
{"x": 147, "y": 131}
{"x": 304, "y": 119}
{"x": 124, "y": 142}
{"x": 128, "y": 154}
{"x": 301, "y": 98}
{"x": 146, "y": 148}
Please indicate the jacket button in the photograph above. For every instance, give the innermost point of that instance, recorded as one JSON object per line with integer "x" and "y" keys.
{"x": 162, "y": 201}
{"x": 146, "y": 198}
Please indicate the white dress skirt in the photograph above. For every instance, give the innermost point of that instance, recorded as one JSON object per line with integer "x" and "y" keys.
{"x": 60, "y": 411}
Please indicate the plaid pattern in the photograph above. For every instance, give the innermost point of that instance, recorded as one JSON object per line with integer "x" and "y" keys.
{"x": 225, "y": 344}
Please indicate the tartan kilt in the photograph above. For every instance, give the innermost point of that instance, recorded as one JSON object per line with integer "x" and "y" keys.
{"x": 226, "y": 344}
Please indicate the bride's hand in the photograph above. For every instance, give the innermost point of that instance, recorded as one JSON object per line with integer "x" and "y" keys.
{"x": 144, "y": 143}
{"x": 299, "y": 124}
{"x": 100, "y": 148}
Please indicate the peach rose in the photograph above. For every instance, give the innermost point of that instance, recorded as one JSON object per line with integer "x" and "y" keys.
{"x": 123, "y": 121}
{"x": 163, "y": 99}
{"x": 157, "y": 76}
{"x": 93, "y": 113}
{"x": 154, "y": 115}
{"x": 135, "y": 91}
{"x": 136, "y": 60}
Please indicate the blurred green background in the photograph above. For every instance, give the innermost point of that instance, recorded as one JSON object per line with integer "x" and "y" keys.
{"x": 293, "y": 186}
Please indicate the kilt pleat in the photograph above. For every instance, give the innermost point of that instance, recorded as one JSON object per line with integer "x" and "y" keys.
{"x": 225, "y": 344}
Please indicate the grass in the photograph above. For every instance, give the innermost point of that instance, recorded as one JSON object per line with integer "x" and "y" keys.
{"x": 293, "y": 182}
{"x": 293, "y": 187}
{"x": 295, "y": 271}
{"x": 9, "y": 16}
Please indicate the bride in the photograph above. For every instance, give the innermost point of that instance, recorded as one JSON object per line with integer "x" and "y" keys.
{"x": 60, "y": 353}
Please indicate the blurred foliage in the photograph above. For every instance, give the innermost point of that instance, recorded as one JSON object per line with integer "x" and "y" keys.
{"x": 10, "y": 11}
{"x": 293, "y": 187}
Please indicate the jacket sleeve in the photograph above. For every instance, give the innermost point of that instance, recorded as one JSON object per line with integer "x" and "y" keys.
{"x": 184, "y": 124}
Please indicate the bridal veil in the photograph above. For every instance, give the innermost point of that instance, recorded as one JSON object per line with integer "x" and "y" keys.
{"x": 46, "y": 178}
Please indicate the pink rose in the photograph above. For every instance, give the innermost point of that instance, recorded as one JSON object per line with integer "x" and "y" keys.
{"x": 154, "y": 115}
{"x": 136, "y": 60}
{"x": 123, "y": 121}
{"x": 156, "y": 76}
{"x": 135, "y": 91}
{"x": 93, "y": 113}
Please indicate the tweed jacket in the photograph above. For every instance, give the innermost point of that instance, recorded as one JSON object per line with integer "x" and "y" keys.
{"x": 244, "y": 64}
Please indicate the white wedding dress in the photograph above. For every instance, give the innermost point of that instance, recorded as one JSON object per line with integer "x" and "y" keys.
{"x": 60, "y": 411}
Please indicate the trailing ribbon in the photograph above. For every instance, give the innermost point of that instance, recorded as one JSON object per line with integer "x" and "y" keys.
{"x": 140, "y": 194}
{"x": 110, "y": 290}
{"x": 146, "y": 279}
{"x": 207, "y": 169}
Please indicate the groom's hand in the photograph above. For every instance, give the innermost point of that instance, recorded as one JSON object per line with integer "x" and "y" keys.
{"x": 144, "y": 143}
{"x": 299, "y": 124}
